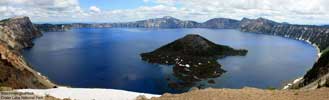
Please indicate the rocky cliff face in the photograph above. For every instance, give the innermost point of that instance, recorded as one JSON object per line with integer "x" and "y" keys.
{"x": 16, "y": 34}
{"x": 317, "y": 35}
{"x": 13, "y": 32}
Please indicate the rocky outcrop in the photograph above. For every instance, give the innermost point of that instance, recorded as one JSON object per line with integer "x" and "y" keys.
{"x": 194, "y": 59}
{"x": 16, "y": 34}
{"x": 53, "y": 27}
{"x": 14, "y": 31}
{"x": 189, "y": 47}
{"x": 16, "y": 73}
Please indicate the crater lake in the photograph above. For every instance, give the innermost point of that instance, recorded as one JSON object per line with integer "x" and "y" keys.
{"x": 110, "y": 58}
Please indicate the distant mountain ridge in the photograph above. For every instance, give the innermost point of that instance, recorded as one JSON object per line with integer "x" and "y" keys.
{"x": 224, "y": 23}
{"x": 164, "y": 22}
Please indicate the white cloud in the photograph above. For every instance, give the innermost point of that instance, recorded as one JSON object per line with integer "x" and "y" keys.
{"x": 144, "y": 12}
{"x": 167, "y": 2}
{"x": 42, "y": 10}
{"x": 94, "y": 9}
{"x": 146, "y": 0}
{"x": 293, "y": 11}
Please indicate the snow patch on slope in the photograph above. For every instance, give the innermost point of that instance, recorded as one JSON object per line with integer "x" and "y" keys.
{"x": 88, "y": 93}
{"x": 294, "y": 82}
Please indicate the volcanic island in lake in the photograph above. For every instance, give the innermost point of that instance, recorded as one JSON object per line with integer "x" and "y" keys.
{"x": 194, "y": 57}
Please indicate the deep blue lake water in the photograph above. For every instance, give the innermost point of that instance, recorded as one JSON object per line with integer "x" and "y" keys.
{"x": 109, "y": 58}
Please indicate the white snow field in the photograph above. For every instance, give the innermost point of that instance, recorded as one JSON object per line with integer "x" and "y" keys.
{"x": 88, "y": 93}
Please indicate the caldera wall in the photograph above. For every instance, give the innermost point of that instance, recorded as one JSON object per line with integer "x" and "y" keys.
{"x": 318, "y": 75}
{"x": 317, "y": 35}
{"x": 15, "y": 34}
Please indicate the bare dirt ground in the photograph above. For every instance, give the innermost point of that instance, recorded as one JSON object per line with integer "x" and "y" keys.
{"x": 247, "y": 94}
{"x": 53, "y": 98}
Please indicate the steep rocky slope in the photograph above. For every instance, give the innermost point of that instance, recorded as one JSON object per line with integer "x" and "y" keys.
{"x": 15, "y": 34}
{"x": 320, "y": 71}
{"x": 316, "y": 77}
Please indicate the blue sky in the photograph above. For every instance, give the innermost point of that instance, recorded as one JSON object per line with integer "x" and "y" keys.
{"x": 114, "y": 4}
{"x": 59, "y": 11}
